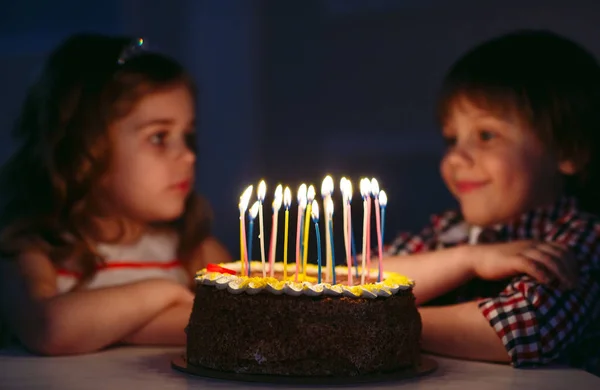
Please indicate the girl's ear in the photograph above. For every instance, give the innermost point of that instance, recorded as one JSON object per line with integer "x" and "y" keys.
{"x": 568, "y": 167}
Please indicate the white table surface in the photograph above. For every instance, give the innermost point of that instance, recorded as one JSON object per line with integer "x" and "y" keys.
{"x": 138, "y": 368}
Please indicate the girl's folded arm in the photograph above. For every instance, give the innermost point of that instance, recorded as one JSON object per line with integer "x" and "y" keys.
{"x": 80, "y": 321}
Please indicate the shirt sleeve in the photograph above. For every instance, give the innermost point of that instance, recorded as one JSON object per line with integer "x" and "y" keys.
{"x": 538, "y": 323}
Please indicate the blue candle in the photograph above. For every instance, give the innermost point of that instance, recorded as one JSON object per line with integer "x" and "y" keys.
{"x": 250, "y": 228}
{"x": 379, "y": 275}
{"x": 251, "y": 215}
{"x": 332, "y": 250}
{"x": 382, "y": 204}
{"x": 315, "y": 218}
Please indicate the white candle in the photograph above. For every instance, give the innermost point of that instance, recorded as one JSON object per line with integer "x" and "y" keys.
{"x": 251, "y": 216}
{"x": 365, "y": 191}
{"x": 261, "y": 192}
{"x": 326, "y": 192}
{"x": 346, "y": 189}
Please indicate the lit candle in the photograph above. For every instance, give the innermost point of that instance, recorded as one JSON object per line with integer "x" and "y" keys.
{"x": 375, "y": 194}
{"x": 287, "y": 202}
{"x": 273, "y": 246}
{"x": 369, "y": 207}
{"x": 350, "y": 229}
{"x": 326, "y": 192}
{"x": 315, "y": 218}
{"x": 344, "y": 187}
{"x": 261, "y": 192}
{"x": 329, "y": 217}
{"x": 365, "y": 192}
{"x": 243, "y": 205}
{"x": 251, "y": 216}
{"x": 310, "y": 197}
{"x": 382, "y": 205}
{"x": 301, "y": 207}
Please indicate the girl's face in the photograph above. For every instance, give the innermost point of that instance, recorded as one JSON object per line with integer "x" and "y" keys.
{"x": 496, "y": 167}
{"x": 152, "y": 167}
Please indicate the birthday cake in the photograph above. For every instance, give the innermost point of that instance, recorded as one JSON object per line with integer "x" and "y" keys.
{"x": 275, "y": 318}
{"x": 256, "y": 325}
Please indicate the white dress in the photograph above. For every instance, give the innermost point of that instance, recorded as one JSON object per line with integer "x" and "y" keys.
{"x": 152, "y": 256}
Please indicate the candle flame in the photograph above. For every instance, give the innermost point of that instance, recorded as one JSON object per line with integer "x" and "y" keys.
{"x": 287, "y": 198}
{"x": 245, "y": 199}
{"x": 302, "y": 201}
{"x": 365, "y": 187}
{"x": 382, "y": 198}
{"x": 343, "y": 181}
{"x": 328, "y": 206}
{"x": 315, "y": 211}
{"x": 278, "y": 198}
{"x": 374, "y": 187}
{"x": 261, "y": 191}
{"x": 327, "y": 186}
{"x": 310, "y": 194}
{"x": 302, "y": 191}
{"x": 254, "y": 210}
{"x": 348, "y": 191}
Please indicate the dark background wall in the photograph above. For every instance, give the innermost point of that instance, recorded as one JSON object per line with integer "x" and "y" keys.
{"x": 293, "y": 90}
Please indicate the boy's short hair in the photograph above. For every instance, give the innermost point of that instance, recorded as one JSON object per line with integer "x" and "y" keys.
{"x": 551, "y": 83}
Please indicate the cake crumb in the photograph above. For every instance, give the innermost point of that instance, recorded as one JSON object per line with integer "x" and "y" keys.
{"x": 260, "y": 359}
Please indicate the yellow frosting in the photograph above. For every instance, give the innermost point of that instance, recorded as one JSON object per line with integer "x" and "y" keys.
{"x": 391, "y": 283}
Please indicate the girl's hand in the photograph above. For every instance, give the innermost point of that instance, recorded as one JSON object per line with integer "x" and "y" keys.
{"x": 544, "y": 261}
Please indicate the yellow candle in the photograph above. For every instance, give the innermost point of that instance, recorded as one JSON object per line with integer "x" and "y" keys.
{"x": 287, "y": 201}
{"x": 310, "y": 196}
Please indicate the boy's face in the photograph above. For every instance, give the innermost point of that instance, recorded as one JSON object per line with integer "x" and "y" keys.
{"x": 495, "y": 166}
{"x": 152, "y": 167}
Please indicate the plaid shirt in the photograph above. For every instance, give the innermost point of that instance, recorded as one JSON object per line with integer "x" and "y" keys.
{"x": 538, "y": 324}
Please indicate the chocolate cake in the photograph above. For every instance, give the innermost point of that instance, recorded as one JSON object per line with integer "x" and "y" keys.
{"x": 257, "y": 325}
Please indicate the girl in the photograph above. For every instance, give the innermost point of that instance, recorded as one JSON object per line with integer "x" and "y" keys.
{"x": 521, "y": 118}
{"x": 102, "y": 232}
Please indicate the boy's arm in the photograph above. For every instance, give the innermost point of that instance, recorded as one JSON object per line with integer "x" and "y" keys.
{"x": 435, "y": 273}
{"x": 529, "y": 323}
{"x": 461, "y": 331}
{"x": 76, "y": 322}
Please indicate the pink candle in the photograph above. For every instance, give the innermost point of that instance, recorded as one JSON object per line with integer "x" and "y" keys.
{"x": 246, "y": 268}
{"x": 348, "y": 242}
{"x": 375, "y": 194}
{"x": 273, "y": 247}
{"x": 368, "y": 235}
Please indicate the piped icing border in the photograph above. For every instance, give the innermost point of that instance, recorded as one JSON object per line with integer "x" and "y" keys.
{"x": 391, "y": 284}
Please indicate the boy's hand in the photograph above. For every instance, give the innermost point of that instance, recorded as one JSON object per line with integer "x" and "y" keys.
{"x": 544, "y": 261}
